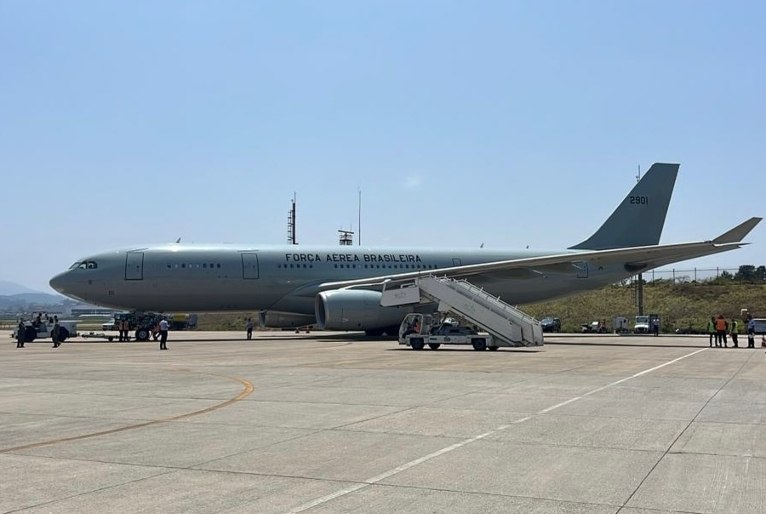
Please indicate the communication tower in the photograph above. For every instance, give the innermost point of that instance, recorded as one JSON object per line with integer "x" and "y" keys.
{"x": 345, "y": 237}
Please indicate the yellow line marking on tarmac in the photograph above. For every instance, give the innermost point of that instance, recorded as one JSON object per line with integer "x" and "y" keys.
{"x": 246, "y": 391}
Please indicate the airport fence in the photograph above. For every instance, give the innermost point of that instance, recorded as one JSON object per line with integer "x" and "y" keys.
{"x": 680, "y": 275}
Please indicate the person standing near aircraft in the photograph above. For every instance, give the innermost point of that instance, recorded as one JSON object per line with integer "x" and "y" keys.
{"x": 249, "y": 327}
{"x": 20, "y": 334}
{"x": 56, "y": 333}
{"x": 711, "y": 331}
{"x": 163, "y": 334}
{"x": 720, "y": 329}
{"x": 750, "y": 331}
{"x": 734, "y": 332}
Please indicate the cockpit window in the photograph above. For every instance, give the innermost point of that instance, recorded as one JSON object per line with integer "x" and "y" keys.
{"x": 84, "y": 265}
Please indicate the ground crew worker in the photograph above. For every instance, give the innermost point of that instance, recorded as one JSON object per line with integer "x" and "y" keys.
{"x": 734, "y": 332}
{"x": 711, "y": 330}
{"x": 124, "y": 327}
{"x": 750, "y": 331}
{"x": 20, "y": 334}
{"x": 720, "y": 328}
{"x": 55, "y": 334}
{"x": 163, "y": 334}
{"x": 249, "y": 327}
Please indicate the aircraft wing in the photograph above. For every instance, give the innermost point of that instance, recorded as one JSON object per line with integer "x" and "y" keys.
{"x": 637, "y": 259}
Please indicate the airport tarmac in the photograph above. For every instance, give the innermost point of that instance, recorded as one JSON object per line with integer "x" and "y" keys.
{"x": 325, "y": 423}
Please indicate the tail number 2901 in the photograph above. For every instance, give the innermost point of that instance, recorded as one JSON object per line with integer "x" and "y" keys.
{"x": 639, "y": 200}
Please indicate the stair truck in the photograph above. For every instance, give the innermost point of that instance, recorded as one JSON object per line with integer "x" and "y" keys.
{"x": 418, "y": 330}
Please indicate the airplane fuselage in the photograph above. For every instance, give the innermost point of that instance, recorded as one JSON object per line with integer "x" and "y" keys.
{"x": 180, "y": 277}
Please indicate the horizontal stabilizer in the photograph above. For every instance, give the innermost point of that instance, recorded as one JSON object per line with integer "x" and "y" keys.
{"x": 738, "y": 233}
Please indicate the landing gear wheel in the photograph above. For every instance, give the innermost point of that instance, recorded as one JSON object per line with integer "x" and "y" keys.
{"x": 479, "y": 344}
{"x": 417, "y": 344}
{"x": 434, "y": 346}
{"x": 493, "y": 348}
{"x": 142, "y": 334}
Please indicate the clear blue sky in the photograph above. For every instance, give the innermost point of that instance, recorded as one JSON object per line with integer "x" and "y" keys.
{"x": 503, "y": 123}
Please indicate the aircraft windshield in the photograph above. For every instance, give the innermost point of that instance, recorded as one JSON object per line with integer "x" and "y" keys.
{"x": 84, "y": 265}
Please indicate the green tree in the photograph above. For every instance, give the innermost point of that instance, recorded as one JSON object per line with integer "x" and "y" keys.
{"x": 746, "y": 273}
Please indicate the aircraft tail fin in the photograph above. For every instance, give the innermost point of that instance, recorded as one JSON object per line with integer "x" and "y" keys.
{"x": 639, "y": 219}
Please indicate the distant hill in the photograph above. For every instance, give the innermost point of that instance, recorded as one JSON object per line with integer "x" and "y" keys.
{"x": 23, "y": 300}
{"x": 12, "y": 288}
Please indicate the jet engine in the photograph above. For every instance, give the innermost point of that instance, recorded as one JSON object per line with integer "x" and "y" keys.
{"x": 276, "y": 319}
{"x": 355, "y": 309}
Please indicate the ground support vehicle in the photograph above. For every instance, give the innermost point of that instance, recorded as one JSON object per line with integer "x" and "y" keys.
{"x": 644, "y": 324}
{"x": 43, "y": 330}
{"x": 143, "y": 323}
{"x": 182, "y": 321}
{"x": 418, "y": 330}
{"x": 620, "y": 325}
{"x": 595, "y": 327}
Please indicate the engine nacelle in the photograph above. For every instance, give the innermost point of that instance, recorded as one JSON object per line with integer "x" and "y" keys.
{"x": 351, "y": 309}
{"x": 276, "y": 319}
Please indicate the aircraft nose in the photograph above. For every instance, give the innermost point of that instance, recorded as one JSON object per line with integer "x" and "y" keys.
{"x": 59, "y": 282}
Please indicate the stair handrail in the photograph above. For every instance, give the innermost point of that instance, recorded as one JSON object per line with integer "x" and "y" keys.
{"x": 495, "y": 300}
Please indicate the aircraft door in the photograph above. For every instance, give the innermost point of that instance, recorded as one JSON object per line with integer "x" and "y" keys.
{"x": 134, "y": 266}
{"x": 250, "y": 266}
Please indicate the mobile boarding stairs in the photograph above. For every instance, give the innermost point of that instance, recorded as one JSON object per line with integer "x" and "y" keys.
{"x": 508, "y": 325}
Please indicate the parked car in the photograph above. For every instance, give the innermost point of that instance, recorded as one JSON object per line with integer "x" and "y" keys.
{"x": 550, "y": 324}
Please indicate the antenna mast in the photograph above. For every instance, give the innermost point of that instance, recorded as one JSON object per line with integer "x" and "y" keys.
{"x": 640, "y": 286}
{"x": 359, "y": 223}
{"x": 291, "y": 224}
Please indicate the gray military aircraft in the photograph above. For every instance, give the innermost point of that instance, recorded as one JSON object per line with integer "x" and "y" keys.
{"x": 339, "y": 288}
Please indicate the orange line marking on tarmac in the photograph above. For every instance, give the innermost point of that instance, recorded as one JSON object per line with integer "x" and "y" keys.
{"x": 246, "y": 391}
